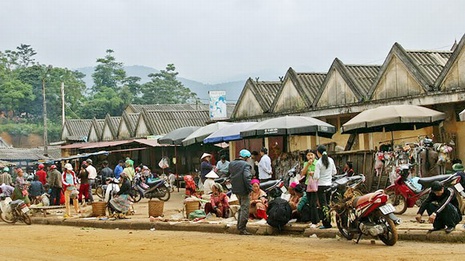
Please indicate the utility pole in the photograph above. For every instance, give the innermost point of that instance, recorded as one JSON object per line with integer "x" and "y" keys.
{"x": 62, "y": 103}
{"x": 44, "y": 76}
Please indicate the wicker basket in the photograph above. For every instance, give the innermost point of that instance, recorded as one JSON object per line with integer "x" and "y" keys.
{"x": 191, "y": 206}
{"x": 234, "y": 202}
{"x": 99, "y": 208}
{"x": 156, "y": 208}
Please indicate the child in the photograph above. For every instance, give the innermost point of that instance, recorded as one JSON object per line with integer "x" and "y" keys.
{"x": 171, "y": 181}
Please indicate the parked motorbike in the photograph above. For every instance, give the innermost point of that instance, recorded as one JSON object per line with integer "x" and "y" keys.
{"x": 12, "y": 211}
{"x": 341, "y": 183}
{"x": 151, "y": 189}
{"x": 368, "y": 215}
{"x": 404, "y": 194}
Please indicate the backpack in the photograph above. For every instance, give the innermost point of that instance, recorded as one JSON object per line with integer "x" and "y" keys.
{"x": 279, "y": 213}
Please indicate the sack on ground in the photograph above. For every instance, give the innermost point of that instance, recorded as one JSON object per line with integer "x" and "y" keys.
{"x": 197, "y": 214}
{"x": 279, "y": 213}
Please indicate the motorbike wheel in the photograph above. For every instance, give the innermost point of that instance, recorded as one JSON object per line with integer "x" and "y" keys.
{"x": 7, "y": 218}
{"x": 26, "y": 218}
{"x": 398, "y": 201}
{"x": 135, "y": 195}
{"x": 341, "y": 219}
{"x": 164, "y": 193}
{"x": 99, "y": 192}
{"x": 390, "y": 236}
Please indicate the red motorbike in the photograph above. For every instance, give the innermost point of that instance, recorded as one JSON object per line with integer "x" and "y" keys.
{"x": 404, "y": 194}
{"x": 368, "y": 215}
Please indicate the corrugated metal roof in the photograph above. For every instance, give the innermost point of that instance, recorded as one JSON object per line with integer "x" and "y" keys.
{"x": 311, "y": 83}
{"x": 364, "y": 75}
{"x": 163, "y": 122}
{"x": 265, "y": 92}
{"x": 430, "y": 62}
{"x": 167, "y": 107}
{"x": 21, "y": 154}
{"x": 78, "y": 127}
{"x": 151, "y": 143}
{"x": 98, "y": 125}
{"x": 113, "y": 124}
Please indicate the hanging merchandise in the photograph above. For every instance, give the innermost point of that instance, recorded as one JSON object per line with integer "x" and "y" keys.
{"x": 164, "y": 163}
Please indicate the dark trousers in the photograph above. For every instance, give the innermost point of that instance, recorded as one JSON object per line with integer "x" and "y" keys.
{"x": 244, "y": 201}
{"x": 449, "y": 216}
{"x": 312, "y": 199}
{"x": 324, "y": 212}
{"x": 55, "y": 196}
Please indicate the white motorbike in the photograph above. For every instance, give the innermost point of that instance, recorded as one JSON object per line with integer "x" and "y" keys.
{"x": 12, "y": 211}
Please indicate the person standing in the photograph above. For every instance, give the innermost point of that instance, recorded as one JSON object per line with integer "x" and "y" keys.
{"x": 129, "y": 170}
{"x": 222, "y": 167}
{"x": 21, "y": 187}
{"x": 92, "y": 176}
{"x": 205, "y": 166}
{"x": 106, "y": 171}
{"x": 5, "y": 177}
{"x": 69, "y": 184}
{"x": 54, "y": 180}
{"x": 42, "y": 174}
{"x": 311, "y": 196}
{"x": 119, "y": 169}
{"x": 264, "y": 166}
{"x": 241, "y": 177}
{"x": 324, "y": 171}
{"x": 442, "y": 207}
{"x": 83, "y": 175}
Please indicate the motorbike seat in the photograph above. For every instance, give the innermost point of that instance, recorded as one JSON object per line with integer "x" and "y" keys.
{"x": 267, "y": 184}
{"x": 16, "y": 202}
{"x": 154, "y": 183}
{"x": 366, "y": 198}
{"x": 426, "y": 182}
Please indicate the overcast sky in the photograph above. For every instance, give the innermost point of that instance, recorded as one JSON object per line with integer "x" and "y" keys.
{"x": 216, "y": 41}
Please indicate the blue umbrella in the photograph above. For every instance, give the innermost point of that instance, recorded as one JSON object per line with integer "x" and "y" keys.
{"x": 228, "y": 133}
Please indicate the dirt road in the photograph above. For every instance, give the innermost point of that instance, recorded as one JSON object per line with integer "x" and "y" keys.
{"x": 42, "y": 242}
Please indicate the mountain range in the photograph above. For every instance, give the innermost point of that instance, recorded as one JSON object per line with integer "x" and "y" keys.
{"x": 233, "y": 89}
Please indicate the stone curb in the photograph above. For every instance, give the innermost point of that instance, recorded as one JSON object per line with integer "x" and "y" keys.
{"x": 407, "y": 234}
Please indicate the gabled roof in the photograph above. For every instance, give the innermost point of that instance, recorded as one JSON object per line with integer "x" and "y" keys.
{"x": 457, "y": 49}
{"x": 307, "y": 85}
{"x": 357, "y": 77}
{"x": 98, "y": 126}
{"x": 161, "y": 122}
{"x": 112, "y": 122}
{"x": 424, "y": 66}
{"x": 130, "y": 119}
{"x": 264, "y": 92}
{"x": 78, "y": 129}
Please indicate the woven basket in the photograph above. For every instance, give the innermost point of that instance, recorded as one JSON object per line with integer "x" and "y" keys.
{"x": 156, "y": 208}
{"x": 99, "y": 208}
{"x": 191, "y": 206}
{"x": 234, "y": 202}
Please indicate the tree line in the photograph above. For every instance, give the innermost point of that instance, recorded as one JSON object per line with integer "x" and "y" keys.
{"x": 22, "y": 79}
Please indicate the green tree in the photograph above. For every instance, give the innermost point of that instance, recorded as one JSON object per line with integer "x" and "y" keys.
{"x": 108, "y": 73}
{"x": 103, "y": 102}
{"x": 164, "y": 88}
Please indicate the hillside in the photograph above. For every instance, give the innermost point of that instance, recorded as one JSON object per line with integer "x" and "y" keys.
{"x": 233, "y": 89}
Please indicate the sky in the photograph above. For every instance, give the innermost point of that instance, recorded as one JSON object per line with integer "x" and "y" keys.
{"x": 214, "y": 41}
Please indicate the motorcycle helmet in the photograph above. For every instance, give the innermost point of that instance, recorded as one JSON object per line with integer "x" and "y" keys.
{"x": 428, "y": 142}
{"x": 53, "y": 166}
{"x": 245, "y": 153}
{"x": 137, "y": 169}
{"x": 41, "y": 166}
{"x": 6, "y": 169}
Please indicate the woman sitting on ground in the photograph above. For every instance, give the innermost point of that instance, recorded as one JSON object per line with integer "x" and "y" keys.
{"x": 294, "y": 198}
{"x": 191, "y": 189}
{"x": 258, "y": 201}
{"x": 219, "y": 204}
{"x": 120, "y": 203}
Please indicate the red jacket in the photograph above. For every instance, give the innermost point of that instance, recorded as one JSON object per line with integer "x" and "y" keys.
{"x": 42, "y": 176}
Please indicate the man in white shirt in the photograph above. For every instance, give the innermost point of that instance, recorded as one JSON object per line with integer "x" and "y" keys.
{"x": 222, "y": 167}
{"x": 264, "y": 166}
{"x": 92, "y": 176}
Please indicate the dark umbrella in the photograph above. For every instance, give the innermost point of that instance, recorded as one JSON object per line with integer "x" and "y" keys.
{"x": 175, "y": 137}
{"x": 290, "y": 125}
